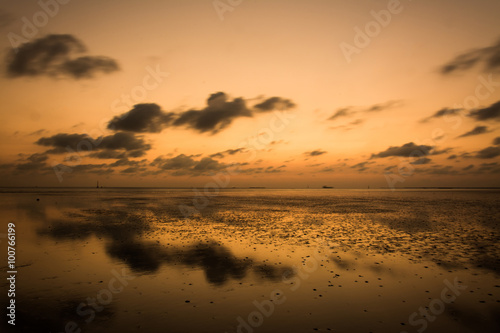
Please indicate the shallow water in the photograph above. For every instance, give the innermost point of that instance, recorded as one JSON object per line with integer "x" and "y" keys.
{"x": 127, "y": 260}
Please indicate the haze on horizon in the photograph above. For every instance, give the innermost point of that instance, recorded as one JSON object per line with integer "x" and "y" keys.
{"x": 250, "y": 93}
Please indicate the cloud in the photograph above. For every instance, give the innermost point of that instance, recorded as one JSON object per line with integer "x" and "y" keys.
{"x": 442, "y": 151}
{"x": 470, "y": 166}
{"x": 490, "y": 112}
{"x": 100, "y": 169}
{"x": 37, "y": 133}
{"x": 53, "y": 56}
{"x": 34, "y": 162}
{"x": 476, "y": 131}
{"x": 452, "y": 157}
{"x": 361, "y": 166}
{"x": 496, "y": 141}
{"x": 127, "y": 143}
{"x": 142, "y": 118}
{"x": 438, "y": 170}
{"x": 126, "y": 162}
{"x": 441, "y": 113}
{"x": 343, "y": 112}
{"x": 187, "y": 165}
{"x": 208, "y": 164}
{"x": 108, "y": 154}
{"x": 420, "y": 161}
{"x": 488, "y": 167}
{"x": 407, "y": 150}
{"x": 489, "y": 57}
{"x": 350, "y": 111}
{"x": 316, "y": 152}
{"x": 88, "y": 66}
{"x": 259, "y": 170}
{"x": 383, "y": 106}
{"x": 351, "y": 125}
{"x": 489, "y": 152}
{"x": 275, "y": 103}
{"x": 61, "y": 141}
{"x": 228, "y": 152}
{"x": 216, "y": 116}
{"x": 179, "y": 162}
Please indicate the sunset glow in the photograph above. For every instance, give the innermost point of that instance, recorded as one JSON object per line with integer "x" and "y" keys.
{"x": 283, "y": 94}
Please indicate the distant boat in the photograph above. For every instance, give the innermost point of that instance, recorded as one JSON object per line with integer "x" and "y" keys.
{"x": 327, "y": 186}
{"x": 97, "y": 184}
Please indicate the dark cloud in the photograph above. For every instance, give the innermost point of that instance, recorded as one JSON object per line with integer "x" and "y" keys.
{"x": 490, "y": 167}
{"x": 489, "y": 152}
{"x": 259, "y": 170}
{"x": 92, "y": 168}
{"x": 275, "y": 103}
{"x": 186, "y": 165}
{"x": 123, "y": 140}
{"x": 208, "y": 164}
{"x": 179, "y": 162}
{"x": 382, "y": 106}
{"x": 126, "y": 162}
{"x": 62, "y": 141}
{"x": 314, "y": 165}
{"x": 350, "y": 111}
{"x": 219, "y": 113}
{"x": 227, "y": 152}
{"x": 108, "y": 154}
{"x": 452, "y": 157}
{"x": 442, "y": 151}
{"x": 53, "y": 56}
{"x": 476, "y": 131}
{"x": 351, "y": 125}
{"x": 133, "y": 170}
{"x": 37, "y": 133}
{"x": 127, "y": 144}
{"x": 316, "y": 152}
{"x": 496, "y": 141}
{"x": 407, "y": 150}
{"x": 217, "y": 155}
{"x": 142, "y": 118}
{"x": 489, "y": 57}
{"x": 467, "y": 168}
{"x": 490, "y": 112}
{"x": 420, "y": 161}
{"x": 343, "y": 112}
{"x": 88, "y": 66}
{"x": 34, "y": 162}
{"x": 216, "y": 116}
{"x": 441, "y": 113}
{"x": 361, "y": 166}
{"x": 182, "y": 165}
{"x": 438, "y": 170}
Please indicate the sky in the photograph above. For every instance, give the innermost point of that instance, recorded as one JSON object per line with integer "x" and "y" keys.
{"x": 237, "y": 93}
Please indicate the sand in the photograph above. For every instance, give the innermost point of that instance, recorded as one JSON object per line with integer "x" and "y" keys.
{"x": 125, "y": 260}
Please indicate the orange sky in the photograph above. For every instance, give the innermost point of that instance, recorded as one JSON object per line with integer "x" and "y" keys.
{"x": 299, "y": 96}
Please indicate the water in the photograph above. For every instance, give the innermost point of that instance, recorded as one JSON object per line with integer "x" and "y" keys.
{"x": 126, "y": 260}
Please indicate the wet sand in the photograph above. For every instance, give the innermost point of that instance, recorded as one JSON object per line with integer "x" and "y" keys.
{"x": 104, "y": 260}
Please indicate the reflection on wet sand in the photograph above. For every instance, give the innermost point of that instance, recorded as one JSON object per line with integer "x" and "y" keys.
{"x": 124, "y": 232}
{"x": 376, "y": 258}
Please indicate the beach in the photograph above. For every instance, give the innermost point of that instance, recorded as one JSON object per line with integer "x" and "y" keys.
{"x": 253, "y": 260}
